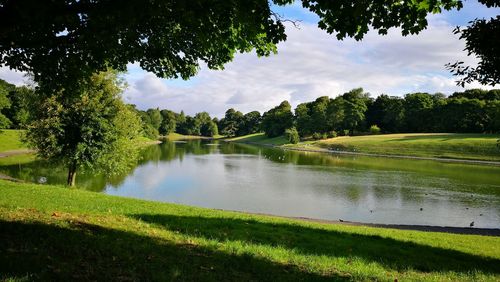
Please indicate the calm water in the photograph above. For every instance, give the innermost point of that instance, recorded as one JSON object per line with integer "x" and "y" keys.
{"x": 265, "y": 180}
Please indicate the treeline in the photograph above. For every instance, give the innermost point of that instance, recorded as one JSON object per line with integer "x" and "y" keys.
{"x": 163, "y": 122}
{"x": 354, "y": 112}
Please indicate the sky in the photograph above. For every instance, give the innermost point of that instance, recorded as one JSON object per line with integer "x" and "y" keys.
{"x": 312, "y": 63}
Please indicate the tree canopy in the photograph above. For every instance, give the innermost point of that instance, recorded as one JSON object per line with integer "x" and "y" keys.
{"x": 68, "y": 40}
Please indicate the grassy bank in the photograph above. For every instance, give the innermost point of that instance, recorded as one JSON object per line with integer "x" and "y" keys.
{"x": 259, "y": 138}
{"x": 430, "y": 145}
{"x": 436, "y": 145}
{"x": 176, "y": 136}
{"x": 55, "y": 233}
{"x": 11, "y": 140}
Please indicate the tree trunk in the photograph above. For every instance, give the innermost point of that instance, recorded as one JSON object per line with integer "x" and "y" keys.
{"x": 72, "y": 174}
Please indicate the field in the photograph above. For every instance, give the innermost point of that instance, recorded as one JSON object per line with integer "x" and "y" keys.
{"x": 56, "y": 233}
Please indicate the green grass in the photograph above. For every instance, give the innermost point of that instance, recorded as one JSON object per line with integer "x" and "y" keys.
{"x": 11, "y": 140}
{"x": 438, "y": 145}
{"x": 176, "y": 136}
{"x": 259, "y": 138}
{"x": 56, "y": 233}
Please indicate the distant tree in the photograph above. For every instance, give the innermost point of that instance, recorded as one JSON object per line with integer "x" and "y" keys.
{"x": 387, "y": 112}
{"x": 209, "y": 129}
{"x": 155, "y": 118}
{"x": 19, "y": 111}
{"x": 231, "y": 122}
{"x": 418, "y": 108}
{"x": 91, "y": 129}
{"x": 303, "y": 119}
{"x": 318, "y": 114}
{"x": 250, "y": 124}
{"x": 168, "y": 122}
{"x": 292, "y": 135}
{"x": 276, "y": 120}
{"x": 355, "y": 107}
{"x": 335, "y": 114}
{"x": 4, "y": 104}
{"x": 464, "y": 115}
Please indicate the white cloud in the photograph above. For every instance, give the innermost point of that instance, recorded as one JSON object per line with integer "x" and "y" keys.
{"x": 310, "y": 64}
{"x": 14, "y": 77}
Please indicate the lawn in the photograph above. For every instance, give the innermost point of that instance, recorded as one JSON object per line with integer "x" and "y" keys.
{"x": 57, "y": 233}
{"x": 177, "y": 136}
{"x": 11, "y": 140}
{"x": 438, "y": 145}
{"x": 259, "y": 138}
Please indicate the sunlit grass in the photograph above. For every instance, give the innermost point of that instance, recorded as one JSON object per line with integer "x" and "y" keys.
{"x": 56, "y": 233}
{"x": 11, "y": 140}
{"x": 440, "y": 145}
{"x": 259, "y": 138}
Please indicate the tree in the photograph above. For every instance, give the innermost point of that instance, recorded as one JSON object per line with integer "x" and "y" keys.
{"x": 355, "y": 106}
{"x": 277, "y": 119}
{"x": 231, "y": 122}
{"x": 155, "y": 118}
{"x": 418, "y": 109}
{"x": 292, "y": 135}
{"x": 19, "y": 111}
{"x": 65, "y": 41}
{"x": 168, "y": 122}
{"x": 92, "y": 129}
{"x": 250, "y": 124}
{"x": 4, "y": 103}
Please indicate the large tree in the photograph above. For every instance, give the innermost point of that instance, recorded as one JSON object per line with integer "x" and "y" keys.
{"x": 90, "y": 129}
{"x": 66, "y": 40}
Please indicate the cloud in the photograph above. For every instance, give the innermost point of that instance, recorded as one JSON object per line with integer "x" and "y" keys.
{"x": 14, "y": 77}
{"x": 310, "y": 64}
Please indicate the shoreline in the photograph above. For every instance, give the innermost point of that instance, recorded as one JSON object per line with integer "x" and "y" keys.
{"x": 494, "y": 232}
{"x": 319, "y": 150}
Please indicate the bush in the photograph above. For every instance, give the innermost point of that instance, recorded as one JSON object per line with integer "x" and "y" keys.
{"x": 345, "y": 132}
{"x": 374, "y": 129}
{"x": 292, "y": 135}
{"x": 316, "y": 136}
{"x": 332, "y": 134}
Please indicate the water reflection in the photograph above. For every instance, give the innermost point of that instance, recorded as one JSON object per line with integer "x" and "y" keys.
{"x": 267, "y": 180}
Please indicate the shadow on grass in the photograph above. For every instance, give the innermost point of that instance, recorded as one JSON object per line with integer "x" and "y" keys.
{"x": 35, "y": 251}
{"x": 394, "y": 254}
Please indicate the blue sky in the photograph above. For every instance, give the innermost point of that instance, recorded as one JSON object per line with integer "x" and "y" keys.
{"x": 312, "y": 63}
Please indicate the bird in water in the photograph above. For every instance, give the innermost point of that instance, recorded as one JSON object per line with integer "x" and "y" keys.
{"x": 471, "y": 224}
{"x": 421, "y": 209}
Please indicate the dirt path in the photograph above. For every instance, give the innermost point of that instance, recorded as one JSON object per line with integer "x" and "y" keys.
{"x": 15, "y": 152}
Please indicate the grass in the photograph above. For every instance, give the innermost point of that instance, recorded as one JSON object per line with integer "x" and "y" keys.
{"x": 11, "y": 140}
{"x": 438, "y": 145}
{"x": 56, "y": 233}
{"x": 259, "y": 138}
{"x": 176, "y": 136}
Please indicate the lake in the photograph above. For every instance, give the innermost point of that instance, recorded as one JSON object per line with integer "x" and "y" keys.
{"x": 267, "y": 180}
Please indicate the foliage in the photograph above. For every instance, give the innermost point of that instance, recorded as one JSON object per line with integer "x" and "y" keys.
{"x": 231, "y": 122}
{"x": 4, "y": 104}
{"x": 168, "y": 122}
{"x": 276, "y": 120}
{"x": 482, "y": 39}
{"x": 292, "y": 135}
{"x": 91, "y": 129}
{"x": 374, "y": 129}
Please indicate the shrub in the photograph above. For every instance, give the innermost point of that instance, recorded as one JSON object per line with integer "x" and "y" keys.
{"x": 316, "y": 136}
{"x": 345, "y": 132}
{"x": 332, "y": 134}
{"x": 374, "y": 129}
{"x": 292, "y": 135}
